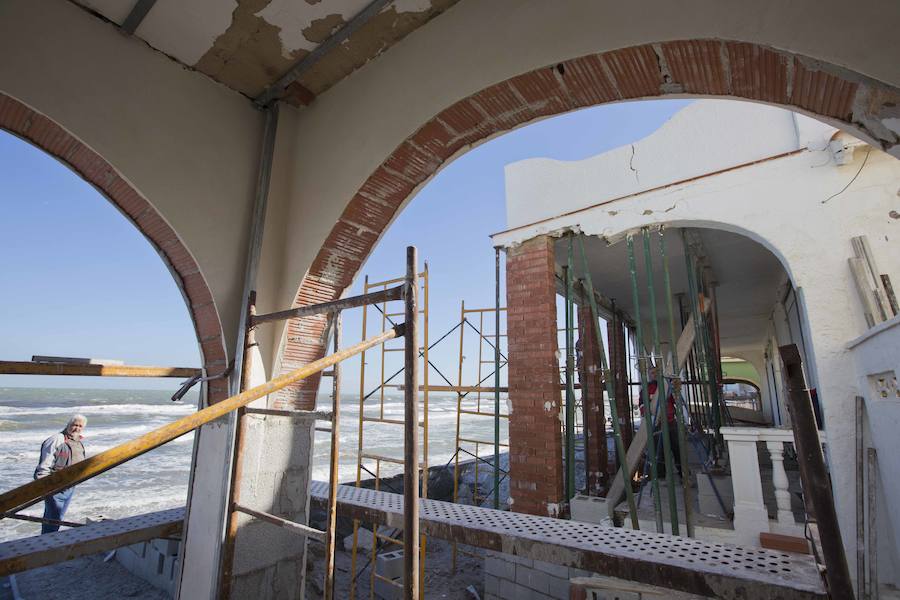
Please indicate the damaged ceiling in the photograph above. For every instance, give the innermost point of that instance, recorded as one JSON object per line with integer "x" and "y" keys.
{"x": 249, "y": 44}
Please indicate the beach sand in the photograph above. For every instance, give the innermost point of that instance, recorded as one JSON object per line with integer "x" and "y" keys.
{"x": 87, "y": 577}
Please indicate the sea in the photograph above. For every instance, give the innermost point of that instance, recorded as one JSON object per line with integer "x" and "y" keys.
{"x": 158, "y": 479}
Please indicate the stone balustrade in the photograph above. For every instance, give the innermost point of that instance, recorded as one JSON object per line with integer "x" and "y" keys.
{"x": 750, "y": 514}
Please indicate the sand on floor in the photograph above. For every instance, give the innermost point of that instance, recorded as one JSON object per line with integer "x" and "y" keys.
{"x": 87, "y": 577}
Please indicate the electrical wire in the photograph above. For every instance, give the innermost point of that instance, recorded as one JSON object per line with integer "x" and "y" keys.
{"x": 869, "y": 151}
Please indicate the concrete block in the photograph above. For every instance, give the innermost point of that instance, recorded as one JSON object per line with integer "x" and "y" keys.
{"x": 559, "y": 588}
{"x": 510, "y": 590}
{"x": 386, "y": 591}
{"x": 389, "y": 564}
{"x": 552, "y": 569}
{"x": 573, "y": 572}
{"x": 498, "y": 567}
{"x": 363, "y": 542}
{"x": 167, "y": 547}
{"x": 588, "y": 509}
{"x": 491, "y": 585}
{"x": 533, "y": 579}
{"x": 521, "y": 560}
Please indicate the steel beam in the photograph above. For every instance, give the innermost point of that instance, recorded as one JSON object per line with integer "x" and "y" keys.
{"x": 137, "y": 15}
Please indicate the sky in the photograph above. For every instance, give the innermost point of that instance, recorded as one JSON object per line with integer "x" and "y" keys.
{"x": 80, "y": 280}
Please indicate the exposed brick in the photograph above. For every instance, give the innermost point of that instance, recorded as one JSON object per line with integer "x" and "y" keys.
{"x": 56, "y": 141}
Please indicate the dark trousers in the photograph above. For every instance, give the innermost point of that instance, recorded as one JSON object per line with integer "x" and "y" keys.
{"x": 55, "y": 508}
{"x": 673, "y": 446}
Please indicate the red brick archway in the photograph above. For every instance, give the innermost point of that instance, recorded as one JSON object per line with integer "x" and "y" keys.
{"x": 22, "y": 121}
{"x": 707, "y": 68}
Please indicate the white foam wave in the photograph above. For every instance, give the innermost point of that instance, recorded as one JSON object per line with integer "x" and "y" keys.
{"x": 100, "y": 409}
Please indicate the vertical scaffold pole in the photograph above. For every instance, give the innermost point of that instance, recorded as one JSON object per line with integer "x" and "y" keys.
{"x": 661, "y": 398}
{"x": 497, "y": 378}
{"x": 676, "y": 391}
{"x": 331, "y": 525}
{"x": 411, "y": 429}
{"x": 570, "y": 385}
{"x": 610, "y": 392}
{"x": 647, "y": 420}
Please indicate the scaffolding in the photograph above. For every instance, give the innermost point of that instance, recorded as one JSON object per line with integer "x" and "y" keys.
{"x": 376, "y": 418}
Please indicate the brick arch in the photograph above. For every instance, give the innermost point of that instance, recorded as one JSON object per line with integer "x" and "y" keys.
{"x": 701, "y": 68}
{"x": 44, "y": 133}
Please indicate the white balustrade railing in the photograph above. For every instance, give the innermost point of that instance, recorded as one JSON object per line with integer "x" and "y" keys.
{"x": 750, "y": 514}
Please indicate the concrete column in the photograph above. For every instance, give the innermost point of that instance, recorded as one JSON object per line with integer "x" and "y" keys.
{"x": 535, "y": 437}
{"x": 590, "y": 378}
{"x": 750, "y": 515}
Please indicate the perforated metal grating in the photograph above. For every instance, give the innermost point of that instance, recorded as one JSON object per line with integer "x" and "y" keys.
{"x": 36, "y": 551}
{"x": 685, "y": 564}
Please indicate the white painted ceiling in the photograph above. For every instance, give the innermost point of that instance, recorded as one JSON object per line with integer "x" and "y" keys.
{"x": 748, "y": 275}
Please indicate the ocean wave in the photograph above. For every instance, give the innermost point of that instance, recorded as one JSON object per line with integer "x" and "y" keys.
{"x": 99, "y": 409}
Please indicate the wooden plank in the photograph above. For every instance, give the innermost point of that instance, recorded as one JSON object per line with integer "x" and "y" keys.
{"x": 864, "y": 251}
{"x": 12, "y": 367}
{"x": 42, "y": 550}
{"x": 866, "y": 294}
{"x": 639, "y": 442}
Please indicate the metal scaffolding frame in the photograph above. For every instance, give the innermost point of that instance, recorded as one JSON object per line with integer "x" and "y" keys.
{"x": 380, "y": 539}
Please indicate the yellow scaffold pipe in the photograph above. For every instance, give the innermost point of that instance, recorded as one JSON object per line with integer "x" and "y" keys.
{"x": 26, "y": 495}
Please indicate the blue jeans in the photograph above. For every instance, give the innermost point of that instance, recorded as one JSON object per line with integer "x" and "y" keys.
{"x": 55, "y": 507}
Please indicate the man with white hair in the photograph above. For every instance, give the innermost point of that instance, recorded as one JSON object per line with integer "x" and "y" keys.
{"x": 58, "y": 452}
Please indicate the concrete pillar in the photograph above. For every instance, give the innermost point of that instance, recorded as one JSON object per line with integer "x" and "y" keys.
{"x": 535, "y": 437}
{"x": 590, "y": 378}
{"x": 750, "y": 514}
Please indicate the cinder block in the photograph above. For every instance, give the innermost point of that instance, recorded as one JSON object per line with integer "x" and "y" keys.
{"x": 533, "y": 579}
{"x": 559, "y": 588}
{"x": 386, "y": 591}
{"x": 491, "y": 585}
{"x": 553, "y": 569}
{"x": 521, "y": 560}
{"x": 390, "y": 564}
{"x": 167, "y": 547}
{"x": 498, "y": 567}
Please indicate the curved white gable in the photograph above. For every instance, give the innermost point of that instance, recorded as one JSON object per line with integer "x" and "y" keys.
{"x": 704, "y": 137}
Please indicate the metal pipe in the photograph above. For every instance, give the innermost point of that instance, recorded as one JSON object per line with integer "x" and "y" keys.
{"x": 298, "y": 528}
{"x": 860, "y": 501}
{"x": 661, "y": 400}
{"x": 26, "y": 495}
{"x": 237, "y": 460}
{"x": 411, "y": 429}
{"x": 570, "y": 367}
{"x": 647, "y": 419}
{"x": 331, "y": 513}
{"x": 872, "y": 544}
{"x": 610, "y": 392}
{"x": 459, "y": 398}
{"x": 497, "y": 378}
{"x": 676, "y": 392}
{"x": 814, "y": 476}
{"x": 387, "y": 295}
{"x": 359, "y": 439}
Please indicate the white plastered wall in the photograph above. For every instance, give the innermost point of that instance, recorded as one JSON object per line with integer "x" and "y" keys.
{"x": 779, "y": 204}
{"x": 187, "y": 144}
{"x": 348, "y": 131}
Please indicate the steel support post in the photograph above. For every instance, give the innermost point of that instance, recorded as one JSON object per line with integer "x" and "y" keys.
{"x": 497, "y": 378}
{"x": 610, "y": 392}
{"x": 676, "y": 392}
{"x": 661, "y": 398}
{"x": 411, "y": 430}
{"x": 570, "y": 384}
{"x": 647, "y": 419}
{"x": 814, "y": 476}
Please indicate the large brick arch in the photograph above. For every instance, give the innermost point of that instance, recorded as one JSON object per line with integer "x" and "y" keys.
{"x": 702, "y": 68}
{"x": 44, "y": 133}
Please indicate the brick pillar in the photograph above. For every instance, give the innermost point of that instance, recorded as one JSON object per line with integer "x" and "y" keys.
{"x": 616, "y": 336}
{"x": 535, "y": 437}
{"x": 590, "y": 378}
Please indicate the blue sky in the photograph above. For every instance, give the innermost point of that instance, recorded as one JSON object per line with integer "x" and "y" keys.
{"x": 80, "y": 280}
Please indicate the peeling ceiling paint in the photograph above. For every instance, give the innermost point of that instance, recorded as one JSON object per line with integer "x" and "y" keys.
{"x": 294, "y": 18}
{"x": 186, "y": 29}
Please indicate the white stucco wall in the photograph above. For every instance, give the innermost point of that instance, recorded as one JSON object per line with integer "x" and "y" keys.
{"x": 187, "y": 144}
{"x": 347, "y": 132}
{"x": 779, "y": 204}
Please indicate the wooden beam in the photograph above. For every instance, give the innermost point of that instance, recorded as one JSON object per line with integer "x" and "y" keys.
{"x": 12, "y": 367}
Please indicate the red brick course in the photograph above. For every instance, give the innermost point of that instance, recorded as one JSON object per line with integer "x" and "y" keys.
{"x": 535, "y": 436}
{"x": 701, "y": 67}
{"x": 591, "y": 379}
{"x": 22, "y": 121}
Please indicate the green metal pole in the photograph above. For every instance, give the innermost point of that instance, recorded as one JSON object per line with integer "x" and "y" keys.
{"x": 497, "y": 378}
{"x": 661, "y": 386}
{"x": 610, "y": 391}
{"x": 647, "y": 420}
{"x": 676, "y": 391}
{"x": 570, "y": 372}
